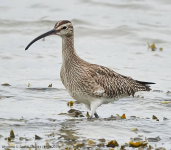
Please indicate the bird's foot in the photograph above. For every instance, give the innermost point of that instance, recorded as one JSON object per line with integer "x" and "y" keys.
{"x": 96, "y": 115}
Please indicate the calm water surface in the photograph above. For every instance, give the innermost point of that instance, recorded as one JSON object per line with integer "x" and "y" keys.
{"x": 112, "y": 34}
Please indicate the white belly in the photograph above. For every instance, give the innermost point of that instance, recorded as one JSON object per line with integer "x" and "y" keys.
{"x": 86, "y": 99}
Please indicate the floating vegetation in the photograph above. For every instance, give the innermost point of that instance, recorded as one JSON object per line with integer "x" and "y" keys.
{"x": 118, "y": 116}
{"x": 112, "y": 143}
{"x": 166, "y": 102}
{"x": 102, "y": 140}
{"x": 78, "y": 145}
{"x": 153, "y": 47}
{"x": 72, "y": 110}
{"x": 87, "y": 115}
{"x": 91, "y": 143}
{"x": 37, "y": 137}
{"x": 47, "y": 145}
{"x": 50, "y": 85}
{"x": 138, "y": 144}
{"x": 71, "y": 103}
{"x": 75, "y": 113}
{"x": 100, "y": 145}
{"x": 150, "y": 147}
{"x": 154, "y": 117}
{"x": 168, "y": 92}
{"x": 134, "y": 129}
{"x": 12, "y": 134}
{"x": 21, "y": 138}
{"x": 160, "y": 48}
{"x": 123, "y": 116}
{"x": 67, "y": 140}
{"x": 9, "y": 139}
{"x": 122, "y": 147}
{"x": 28, "y": 85}
{"x": 52, "y": 134}
{"x": 5, "y": 84}
{"x": 11, "y": 144}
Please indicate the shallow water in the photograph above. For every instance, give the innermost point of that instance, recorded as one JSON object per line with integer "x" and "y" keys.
{"x": 106, "y": 33}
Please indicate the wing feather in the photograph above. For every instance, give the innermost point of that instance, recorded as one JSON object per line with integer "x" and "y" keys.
{"x": 114, "y": 84}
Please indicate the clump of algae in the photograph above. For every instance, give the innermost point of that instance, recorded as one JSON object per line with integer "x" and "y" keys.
{"x": 138, "y": 144}
{"x": 71, "y": 103}
{"x": 154, "y": 117}
{"x": 12, "y": 134}
{"x": 87, "y": 115}
{"x": 123, "y": 116}
{"x": 78, "y": 145}
{"x": 5, "y": 84}
{"x": 112, "y": 143}
{"x": 37, "y": 137}
{"x": 91, "y": 143}
{"x": 50, "y": 85}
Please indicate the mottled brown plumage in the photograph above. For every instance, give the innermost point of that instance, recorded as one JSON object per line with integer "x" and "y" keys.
{"x": 89, "y": 83}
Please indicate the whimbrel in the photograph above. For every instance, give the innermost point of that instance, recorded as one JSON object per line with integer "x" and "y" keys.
{"x": 88, "y": 83}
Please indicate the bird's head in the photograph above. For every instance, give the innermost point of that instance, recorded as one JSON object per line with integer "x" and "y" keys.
{"x": 62, "y": 28}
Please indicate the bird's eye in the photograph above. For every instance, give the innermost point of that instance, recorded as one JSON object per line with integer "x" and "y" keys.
{"x": 64, "y": 27}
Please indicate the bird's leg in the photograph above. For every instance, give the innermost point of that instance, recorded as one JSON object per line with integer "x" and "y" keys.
{"x": 87, "y": 106}
{"x": 93, "y": 105}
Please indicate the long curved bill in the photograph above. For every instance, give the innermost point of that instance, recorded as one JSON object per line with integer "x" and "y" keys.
{"x": 51, "y": 32}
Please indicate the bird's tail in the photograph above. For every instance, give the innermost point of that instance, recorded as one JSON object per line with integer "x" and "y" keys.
{"x": 146, "y": 84}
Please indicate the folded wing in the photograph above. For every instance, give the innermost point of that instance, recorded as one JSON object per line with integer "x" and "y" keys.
{"x": 115, "y": 85}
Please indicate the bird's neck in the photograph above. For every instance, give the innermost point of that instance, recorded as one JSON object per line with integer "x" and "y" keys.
{"x": 68, "y": 51}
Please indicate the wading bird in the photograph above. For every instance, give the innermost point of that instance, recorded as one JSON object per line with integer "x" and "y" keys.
{"x": 88, "y": 83}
